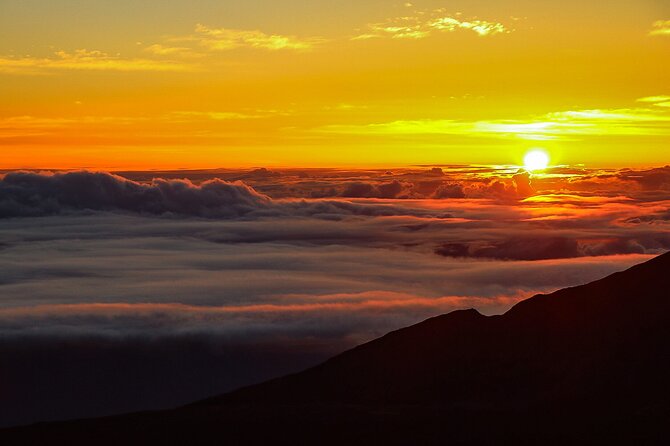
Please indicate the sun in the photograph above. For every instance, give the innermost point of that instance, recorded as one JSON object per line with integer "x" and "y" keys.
{"x": 536, "y": 160}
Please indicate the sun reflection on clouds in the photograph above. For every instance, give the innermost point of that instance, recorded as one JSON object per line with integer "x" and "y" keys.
{"x": 552, "y": 126}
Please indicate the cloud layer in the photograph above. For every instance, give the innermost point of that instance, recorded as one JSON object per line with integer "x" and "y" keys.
{"x": 31, "y": 194}
{"x": 214, "y": 279}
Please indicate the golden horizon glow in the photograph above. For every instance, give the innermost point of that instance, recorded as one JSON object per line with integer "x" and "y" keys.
{"x": 368, "y": 84}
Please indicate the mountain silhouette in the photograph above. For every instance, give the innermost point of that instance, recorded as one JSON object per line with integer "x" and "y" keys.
{"x": 583, "y": 365}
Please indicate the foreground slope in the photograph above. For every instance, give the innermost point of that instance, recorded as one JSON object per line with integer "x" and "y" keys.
{"x": 581, "y": 365}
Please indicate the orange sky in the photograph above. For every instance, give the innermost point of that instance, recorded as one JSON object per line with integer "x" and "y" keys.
{"x": 206, "y": 83}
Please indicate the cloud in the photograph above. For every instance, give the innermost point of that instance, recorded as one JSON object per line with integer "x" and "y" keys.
{"x": 552, "y": 126}
{"x": 266, "y": 193}
{"x": 378, "y": 30}
{"x": 449, "y": 190}
{"x": 654, "y": 99}
{"x": 426, "y": 23}
{"x": 481, "y": 27}
{"x": 657, "y": 101}
{"x": 240, "y": 285}
{"x": 170, "y": 319}
{"x": 221, "y": 39}
{"x": 55, "y": 356}
{"x": 40, "y": 125}
{"x": 162, "y": 50}
{"x": 120, "y": 276}
{"x": 175, "y": 123}
{"x": 522, "y": 183}
{"x": 83, "y": 59}
{"x": 656, "y": 179}
{"x": 215, "y": 115}
{"x": 660, "y": 28}
{"x": 205, "y": 40}
{"x": 394, "y": 189}
{"x": 169, "y": 57}
{"x": 615, "y": 115}
{"x": 497, "y": 189}
{"x": 24, "y": 194}
{"x": 30, "y": 194}
{"x": 540, "y": 248}
{"x": 659, "y": 217}
{"x": 409, "y": 184}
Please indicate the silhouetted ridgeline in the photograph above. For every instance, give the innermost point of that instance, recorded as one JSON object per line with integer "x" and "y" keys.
{"x": 586, "y": 365}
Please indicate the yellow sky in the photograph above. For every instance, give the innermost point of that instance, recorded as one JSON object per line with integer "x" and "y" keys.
{"x": 137, "y": 84}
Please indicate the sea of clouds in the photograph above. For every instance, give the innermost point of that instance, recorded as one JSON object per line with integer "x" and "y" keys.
{"x": 141, "y": 290}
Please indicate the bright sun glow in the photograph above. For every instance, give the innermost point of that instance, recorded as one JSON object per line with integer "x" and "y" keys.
{"x": 536, "y": 160}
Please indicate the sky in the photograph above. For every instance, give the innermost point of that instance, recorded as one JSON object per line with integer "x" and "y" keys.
{"x": 206, "y": 84}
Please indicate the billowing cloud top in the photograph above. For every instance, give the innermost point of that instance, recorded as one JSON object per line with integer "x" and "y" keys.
{"x": 34, "y": 194}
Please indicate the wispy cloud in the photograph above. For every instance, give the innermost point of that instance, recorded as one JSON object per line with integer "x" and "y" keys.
{"x": 23, "y": 125}
{"x": 481, "y": 27}
{"x": 557, "y": 125}
{"x": 163, "y": 50}
{"x": 199, "y": 125}
{"x": 214, "y": 115}
{"x": 394, "y": 31}
{"x": 658, "y": 101}
{"x": 423, "y": 24}
{"x": 172, "y": 54}
{"x": 17, "y": 126}
{"x": 83, "y": 59}
{"x": 660, "y": 28}
{"x": 221, "y": 39}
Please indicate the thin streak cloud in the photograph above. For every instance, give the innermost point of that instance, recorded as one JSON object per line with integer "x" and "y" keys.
{"x": 223, "y": 39}
{"x": 552, "y": 126}
{"x": 83, "y": 59}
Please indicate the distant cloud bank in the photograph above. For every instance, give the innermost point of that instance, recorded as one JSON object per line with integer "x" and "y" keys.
{"x": 34, "y": 194}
